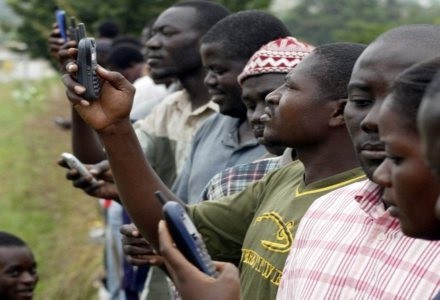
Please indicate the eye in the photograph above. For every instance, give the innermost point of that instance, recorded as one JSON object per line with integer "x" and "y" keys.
{"x": 217, "y": 71}
{"x": 167, "y": 32}
{"x": 14, "y": 272}
{"x": 361, "y": 102}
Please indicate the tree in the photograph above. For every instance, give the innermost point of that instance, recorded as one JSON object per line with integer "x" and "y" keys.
{"x": 130, "y": 15}
{"x": 324, "y": 21}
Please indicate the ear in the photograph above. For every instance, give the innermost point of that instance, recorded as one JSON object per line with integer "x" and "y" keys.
{"x": 337, "y": 115}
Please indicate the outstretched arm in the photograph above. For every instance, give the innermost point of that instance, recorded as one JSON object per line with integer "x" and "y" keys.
{"x": 109, "y": 117}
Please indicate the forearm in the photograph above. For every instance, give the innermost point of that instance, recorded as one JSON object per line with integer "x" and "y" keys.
{"x": 135, "y": 179}
{"x": 85, "y": 143}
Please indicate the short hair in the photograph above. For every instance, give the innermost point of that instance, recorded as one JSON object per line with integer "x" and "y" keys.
{"x": 241, "y": 34}
{"x": 209, "y": 13}
{"x": 124, "y": 56}
{"x": 409, "y": 89}
{"x": 108, "y": 29}
{"x": 10, "y": 240}
{"x": 127, "y": 39}
{"x": 335, "y": 67}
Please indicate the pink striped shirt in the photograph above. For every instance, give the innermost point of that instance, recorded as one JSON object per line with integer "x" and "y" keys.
{"x": 348, "y": 247}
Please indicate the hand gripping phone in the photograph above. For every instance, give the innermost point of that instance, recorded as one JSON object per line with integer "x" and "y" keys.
{"x": 188, "y": 240}
{"x": 60, "y": 16}
{"x": 87, "y": 65}
{"x": 74, "y": 163}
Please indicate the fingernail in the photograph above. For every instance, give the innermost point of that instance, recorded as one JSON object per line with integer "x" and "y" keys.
{"x": 79, "y": 89}
{"x": 85, "y": 103}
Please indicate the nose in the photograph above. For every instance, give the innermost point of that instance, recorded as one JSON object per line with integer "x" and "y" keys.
{"x": 153, "y": 42}
{"x": 257, "y": 112}
{"x": 28, "y": 277}
{"x": 210, "y": 79}
{"x": 369, "y": 123}
{"x": 382, "y": 175}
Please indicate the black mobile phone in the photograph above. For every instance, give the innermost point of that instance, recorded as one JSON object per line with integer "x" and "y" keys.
{"x": 73, "y": 30}
{"x": 87, "y": 65}
{"x": 60, "y": 16}
{"x": 188, "y": 240}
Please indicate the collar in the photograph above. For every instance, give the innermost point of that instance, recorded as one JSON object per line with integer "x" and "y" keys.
{"x": 369, "y": 198}
{"x": 230, "y": 137}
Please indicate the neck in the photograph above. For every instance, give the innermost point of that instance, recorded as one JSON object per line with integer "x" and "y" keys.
{"x": 193, "y": 84}
{"x": 333, "y": 156}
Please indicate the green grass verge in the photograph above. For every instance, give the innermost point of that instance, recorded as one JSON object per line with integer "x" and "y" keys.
{"x": 36, "y": 201}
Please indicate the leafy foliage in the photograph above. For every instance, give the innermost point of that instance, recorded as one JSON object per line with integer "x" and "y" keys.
{"x": 130, "y": 15}
{"x": 323, "y": 21}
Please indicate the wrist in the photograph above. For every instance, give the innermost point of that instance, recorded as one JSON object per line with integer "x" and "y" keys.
{"x": 120, "y": 127}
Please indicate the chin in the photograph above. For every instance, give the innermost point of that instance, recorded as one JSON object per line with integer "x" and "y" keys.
{"x": 432, "y": 235}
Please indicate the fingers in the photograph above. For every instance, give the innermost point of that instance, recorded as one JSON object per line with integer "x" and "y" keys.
{"x": 176, "y": 263}
{"x": 74, "y": 90}
{"x": 227, "y": 271}
{"x": 100, "y": 168}
{"x": 129, "y": 230}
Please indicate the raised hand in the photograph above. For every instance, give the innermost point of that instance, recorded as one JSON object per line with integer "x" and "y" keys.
{"x": 190, "y": 281}
{"x": 113, "y": 105}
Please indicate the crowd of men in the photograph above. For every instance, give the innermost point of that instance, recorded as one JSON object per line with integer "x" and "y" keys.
{"x": 311, "y": 171}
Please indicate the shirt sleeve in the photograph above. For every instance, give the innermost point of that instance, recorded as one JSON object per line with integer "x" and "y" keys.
{"x": 223, "y": 223}
{"x": 159, "y": 153}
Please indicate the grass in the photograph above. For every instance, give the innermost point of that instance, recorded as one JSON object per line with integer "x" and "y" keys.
{"x": 36, "y": 201}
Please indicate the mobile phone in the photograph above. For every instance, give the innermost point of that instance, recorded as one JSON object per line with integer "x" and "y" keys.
{"x": 73, "y": 30}
{"x": 188, "y": 240}
{"x": 60, "y": 16}
{"x": 74, "y": 163}
{"x": 87, "y": 64}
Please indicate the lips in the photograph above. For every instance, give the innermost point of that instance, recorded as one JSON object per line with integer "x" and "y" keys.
{"x": 375, "y": 151}
{"x": 267, "y": 116}
{"x": 154, "y": 59}
{"x": 26, "y": 293}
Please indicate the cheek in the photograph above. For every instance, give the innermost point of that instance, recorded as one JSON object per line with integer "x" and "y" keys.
{"x": 418, "y": 193}
{"x": 353, "y": 118}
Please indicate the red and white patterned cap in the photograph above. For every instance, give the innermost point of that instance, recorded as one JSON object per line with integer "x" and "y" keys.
{"x": 279, "y": 56}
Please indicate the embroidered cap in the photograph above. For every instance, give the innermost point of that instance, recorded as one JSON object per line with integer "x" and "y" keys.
{"x": 279, "y": 56}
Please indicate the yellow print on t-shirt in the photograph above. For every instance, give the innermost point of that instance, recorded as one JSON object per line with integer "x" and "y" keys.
{"x": 262, "y": 266}
{"x": 284, "y": 238}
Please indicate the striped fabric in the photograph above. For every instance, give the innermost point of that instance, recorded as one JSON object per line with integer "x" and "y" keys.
{"x": 348, "y": 247}
{"x": 237, "y": 178}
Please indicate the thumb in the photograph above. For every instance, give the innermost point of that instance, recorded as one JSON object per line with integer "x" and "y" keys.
{"x": 100, "y": 167}
{"x": 114, "y": 78}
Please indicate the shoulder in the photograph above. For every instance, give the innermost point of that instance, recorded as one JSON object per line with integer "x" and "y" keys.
{"x": 340, "y": 199}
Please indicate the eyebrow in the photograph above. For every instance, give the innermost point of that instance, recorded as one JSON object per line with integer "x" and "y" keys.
{"x": 358, "y": 85}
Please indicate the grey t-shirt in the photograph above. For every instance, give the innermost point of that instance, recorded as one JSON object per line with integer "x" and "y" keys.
{"x": 215, "y": 147}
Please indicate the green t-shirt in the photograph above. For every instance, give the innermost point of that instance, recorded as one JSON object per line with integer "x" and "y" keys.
{"x": 257, "y": 226}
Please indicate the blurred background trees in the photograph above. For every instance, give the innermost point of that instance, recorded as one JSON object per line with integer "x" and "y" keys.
{"x": 317, "y": 21}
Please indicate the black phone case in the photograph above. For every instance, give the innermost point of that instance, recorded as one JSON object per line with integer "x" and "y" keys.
{"x": 188, "y": 240}
{"x": 87, "y": 64}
